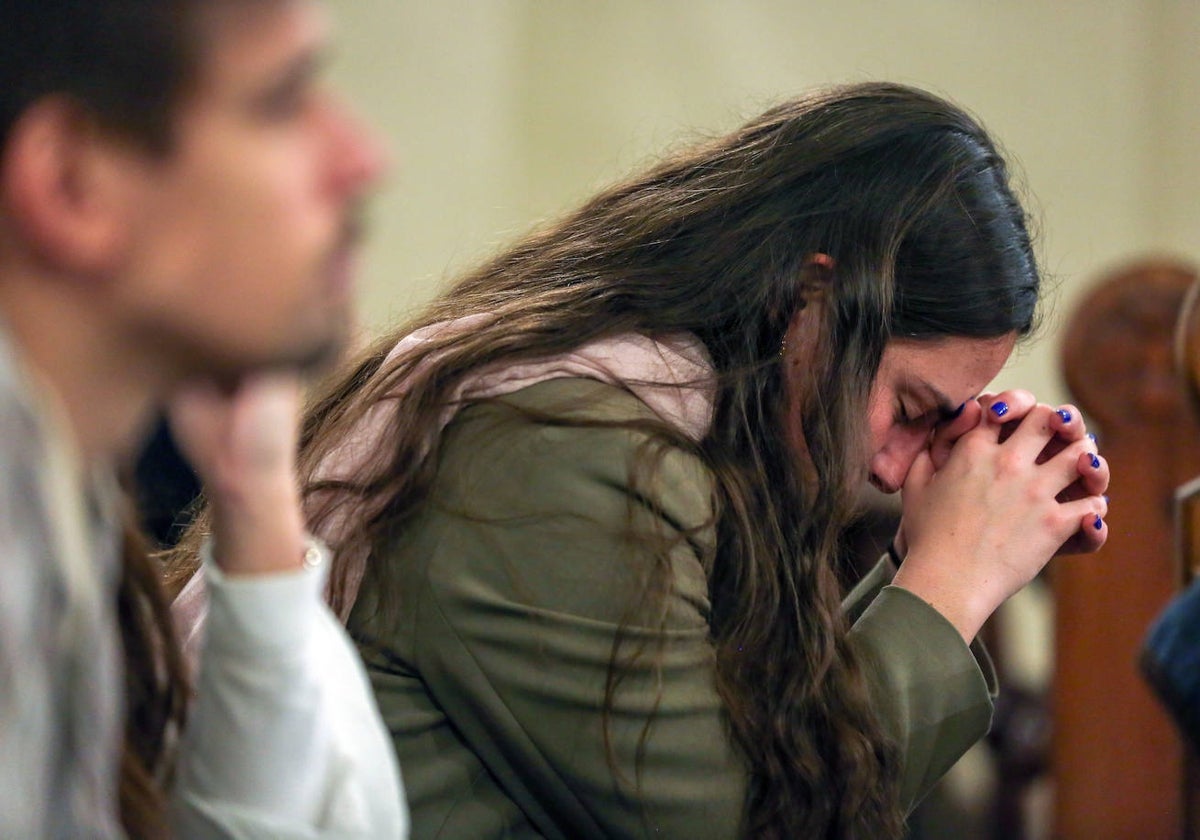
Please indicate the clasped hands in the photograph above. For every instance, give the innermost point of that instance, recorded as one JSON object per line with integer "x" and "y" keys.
{"x": 1001, "y": 489}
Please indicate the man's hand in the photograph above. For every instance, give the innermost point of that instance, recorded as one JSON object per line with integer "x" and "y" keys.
{"x": 242, "y": 443}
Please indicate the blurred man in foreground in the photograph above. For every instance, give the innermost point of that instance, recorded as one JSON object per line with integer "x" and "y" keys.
{"x": 178, "y": 206}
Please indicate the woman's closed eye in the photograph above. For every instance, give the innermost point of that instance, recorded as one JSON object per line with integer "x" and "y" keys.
{"x": 913, "y": 418}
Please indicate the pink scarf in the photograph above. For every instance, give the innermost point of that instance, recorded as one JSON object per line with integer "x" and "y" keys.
{"x": 673, "y": 376}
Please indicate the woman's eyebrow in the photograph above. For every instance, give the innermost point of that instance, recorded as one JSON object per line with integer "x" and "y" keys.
{"x": 942, "y": 404}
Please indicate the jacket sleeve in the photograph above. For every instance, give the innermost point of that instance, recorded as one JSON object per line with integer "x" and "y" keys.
{"x": 284, "y": 740}
{"x": 933, "y": 694}
{"x": 521, "y": 579}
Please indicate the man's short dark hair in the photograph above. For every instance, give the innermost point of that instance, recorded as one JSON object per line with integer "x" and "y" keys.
{"x": 127, "y": 62}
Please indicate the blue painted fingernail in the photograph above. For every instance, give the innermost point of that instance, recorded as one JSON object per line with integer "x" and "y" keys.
{"x": 1106, "y": 500}
{"x": 1065, "y": 415}
{"x": 1091, "y": 437}
{"x": 1000, "y": 409}
{"x": 958, "y": 411}
{"x": 1098, "y": 524}
{"x": 1095, "y": 461}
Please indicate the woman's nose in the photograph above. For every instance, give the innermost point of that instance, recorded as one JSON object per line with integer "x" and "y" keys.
{"x": 890, "y": 465}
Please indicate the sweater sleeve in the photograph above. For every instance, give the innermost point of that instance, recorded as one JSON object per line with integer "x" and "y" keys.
{"x": 524, "y": 574}
{"x": 284, "y": 739}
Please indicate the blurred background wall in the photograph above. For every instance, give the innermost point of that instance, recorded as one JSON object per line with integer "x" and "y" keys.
{"x": 500, "y": 113}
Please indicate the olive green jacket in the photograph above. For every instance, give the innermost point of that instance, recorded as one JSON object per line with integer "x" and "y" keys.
{"x": 513, "y": 585}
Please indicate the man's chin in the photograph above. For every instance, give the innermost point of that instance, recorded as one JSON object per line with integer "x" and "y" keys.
{"x": 319, "y": 357}
{"x": 312, "y": 358}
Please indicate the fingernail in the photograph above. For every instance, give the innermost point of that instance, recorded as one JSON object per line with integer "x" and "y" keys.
{"x": 1000, "y": 409}
{"x": 1091, "y": 437}
{"x": 1098, "y": 524}
{"x": 1095, "y": 461}
{"x": 1065, "y": 415}
{"x": 1106, "y": 500}
{"x": 958, "y": 411}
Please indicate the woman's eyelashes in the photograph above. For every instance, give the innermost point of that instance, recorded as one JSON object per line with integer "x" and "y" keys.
{"x": 912, "y": 417}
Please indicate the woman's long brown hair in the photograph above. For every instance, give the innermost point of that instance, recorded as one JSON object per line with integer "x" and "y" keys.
{"x": 908, "y": 196}
{"x": 156, "y": 690}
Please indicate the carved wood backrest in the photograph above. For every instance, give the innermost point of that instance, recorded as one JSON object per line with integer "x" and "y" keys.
{"x": 1187, "y": 497}
{"x": 1187, "y": 521}
{"x": 1117, "y": 758}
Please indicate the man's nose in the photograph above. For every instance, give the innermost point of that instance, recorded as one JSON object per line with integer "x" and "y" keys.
{"x": 361, "y": 159}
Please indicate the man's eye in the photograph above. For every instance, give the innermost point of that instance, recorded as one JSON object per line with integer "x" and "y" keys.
{"x": 282, "y": 103}
{"x": 287, "y": 99}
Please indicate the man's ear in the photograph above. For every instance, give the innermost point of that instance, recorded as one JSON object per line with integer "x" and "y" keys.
{"x": 64, "y": 186}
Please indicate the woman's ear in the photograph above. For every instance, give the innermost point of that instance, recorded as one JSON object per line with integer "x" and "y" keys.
{"x": 807, "y": 319}
{"x": 801, "y": 355}
{"x": 816, "y": 274}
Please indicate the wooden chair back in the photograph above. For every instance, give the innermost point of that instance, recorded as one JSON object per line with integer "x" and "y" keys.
{"x": 1117, "y": 759}
{"x": 1187, "y": 524}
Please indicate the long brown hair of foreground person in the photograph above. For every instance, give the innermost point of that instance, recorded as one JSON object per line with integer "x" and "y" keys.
{"x": 909, "y": 199}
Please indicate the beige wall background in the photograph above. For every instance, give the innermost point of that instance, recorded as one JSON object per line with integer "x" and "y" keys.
{"x": 503, "y": 112}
